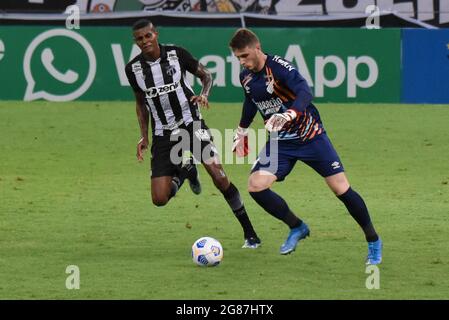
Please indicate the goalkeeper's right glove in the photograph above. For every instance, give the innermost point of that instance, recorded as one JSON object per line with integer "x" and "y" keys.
{"x": 278, "y": 120}
{"x": 240, "y": 145}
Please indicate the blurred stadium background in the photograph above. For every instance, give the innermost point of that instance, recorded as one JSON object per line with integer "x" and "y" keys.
{"x": 71, "y": 193}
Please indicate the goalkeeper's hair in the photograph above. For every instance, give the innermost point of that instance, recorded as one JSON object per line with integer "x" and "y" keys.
{"x": 243, "y": 38}
{"x": 142, "y": 23}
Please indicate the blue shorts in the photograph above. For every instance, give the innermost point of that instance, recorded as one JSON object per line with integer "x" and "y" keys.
{"x": 318, "y": 154}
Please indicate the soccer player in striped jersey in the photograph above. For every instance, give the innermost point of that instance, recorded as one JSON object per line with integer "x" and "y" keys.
{"x": 163, "y": 94}
{"x": 275, "y": 89}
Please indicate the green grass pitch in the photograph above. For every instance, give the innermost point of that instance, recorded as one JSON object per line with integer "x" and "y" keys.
{"x": 72, "y": 193}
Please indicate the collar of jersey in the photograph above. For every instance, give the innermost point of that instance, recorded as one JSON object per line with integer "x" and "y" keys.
{"x": 158, "y": 60}
{"x": 264, "y": 66}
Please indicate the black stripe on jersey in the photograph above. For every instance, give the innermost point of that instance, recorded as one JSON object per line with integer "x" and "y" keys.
{"x": 188, "y": 93}
{"x": 153, "y": 124}
{"x": 172, "y": 96}
{"x": 149, "y": 82}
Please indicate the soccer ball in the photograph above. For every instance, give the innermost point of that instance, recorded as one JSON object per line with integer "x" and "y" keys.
{"x": 207, "y": 252}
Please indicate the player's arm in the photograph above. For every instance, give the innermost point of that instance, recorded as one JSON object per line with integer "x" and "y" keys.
{"x": 189, "y": 63}
{"x": 298, "y": 85}
{"x": 206, "y": 81}
{"x": 143, "y": 117}
{"x": 292, "y": 80}
{"x": 249, "y": 111}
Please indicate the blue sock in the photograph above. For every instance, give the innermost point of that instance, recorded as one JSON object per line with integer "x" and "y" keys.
{"x": 276, "y": 206}
{"x": 358, "y": 210}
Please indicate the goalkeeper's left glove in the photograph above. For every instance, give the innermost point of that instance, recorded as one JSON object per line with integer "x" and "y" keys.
{"x": 278, "y": 120}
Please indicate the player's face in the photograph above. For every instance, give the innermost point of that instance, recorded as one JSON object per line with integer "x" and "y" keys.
{"x": 250, "y": 57}
{"x": 146, "y": 40}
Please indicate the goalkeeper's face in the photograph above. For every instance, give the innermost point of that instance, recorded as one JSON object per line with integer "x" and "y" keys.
{"x": 250, "y": 57}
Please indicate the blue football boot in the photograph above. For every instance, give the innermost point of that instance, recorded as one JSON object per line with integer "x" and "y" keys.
{"x": 374, "y": 252}
{"x": 293, "y": 238}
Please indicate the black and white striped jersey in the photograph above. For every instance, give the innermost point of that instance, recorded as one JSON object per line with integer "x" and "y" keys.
{"x": 167, "y": 91}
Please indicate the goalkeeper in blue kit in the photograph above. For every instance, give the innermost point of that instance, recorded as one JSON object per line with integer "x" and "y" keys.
{"x": 282, "y": 96}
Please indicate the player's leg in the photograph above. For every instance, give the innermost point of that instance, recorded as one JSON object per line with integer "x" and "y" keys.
{"x": 165, "y": 180}
{"x": 271, "y": 167}
{"x": 190, "y": 172}
{"x": 339, "y": 184}
{"x": 234, "y": 200}
{"x": 204, "y": 150}
{"x": 356, "y": 207}
{"x": 162, "y": 189}
{"x": 186, "y": 140}
{"x": 324, "y": 160}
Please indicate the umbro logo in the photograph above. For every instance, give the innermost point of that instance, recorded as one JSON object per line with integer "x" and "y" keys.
{"x": 335, "y": 165}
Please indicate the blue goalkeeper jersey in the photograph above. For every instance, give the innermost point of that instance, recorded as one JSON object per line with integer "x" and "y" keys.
{"x": 275, "y": 89}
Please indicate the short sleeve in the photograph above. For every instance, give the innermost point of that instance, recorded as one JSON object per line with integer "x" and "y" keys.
{"x": 187, "y": 61}
{"x": 132, "y": 78}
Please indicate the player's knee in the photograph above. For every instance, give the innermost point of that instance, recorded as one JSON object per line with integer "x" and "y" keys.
{"x": 338, "y": 183}
{"x": 159, "y": 201}
{"x": 257, "y": 183}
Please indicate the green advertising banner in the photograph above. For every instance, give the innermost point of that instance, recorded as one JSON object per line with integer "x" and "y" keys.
{"x": 57, "y": 64}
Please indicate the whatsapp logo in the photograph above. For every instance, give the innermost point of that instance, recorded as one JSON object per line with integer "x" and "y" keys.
{"x": 59, "y": 65}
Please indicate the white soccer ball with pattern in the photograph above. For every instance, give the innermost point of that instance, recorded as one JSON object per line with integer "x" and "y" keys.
{"x": 207, "y": 252}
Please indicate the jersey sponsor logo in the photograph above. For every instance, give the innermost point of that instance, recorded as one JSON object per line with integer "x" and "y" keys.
{"x": 283, "y": 63}
{"x": 269, "y": 106}
{"x": 153, "y": 92}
